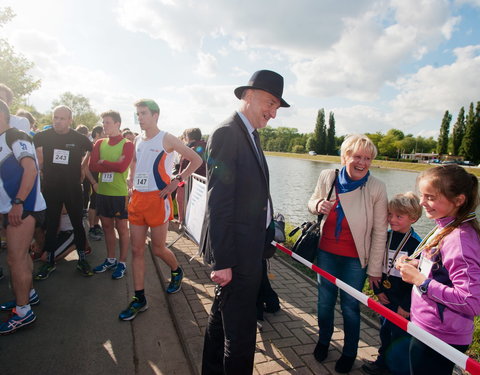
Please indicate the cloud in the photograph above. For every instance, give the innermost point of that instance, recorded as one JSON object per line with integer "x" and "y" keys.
{"x": 260, "y": 24}
{"x": 372, "y": 48}
{"x": 475, "y": 3}
{"x": 207, "y": 65}
{"x": 431, "y": 91}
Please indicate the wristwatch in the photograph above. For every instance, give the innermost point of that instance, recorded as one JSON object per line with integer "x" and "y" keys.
{"x": 18, "y": 201}
{"x": 178, "y": 177}
{"x": 423, "y": 287}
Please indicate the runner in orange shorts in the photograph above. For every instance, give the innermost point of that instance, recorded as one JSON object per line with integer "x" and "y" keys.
{"x": 151, "y": 203}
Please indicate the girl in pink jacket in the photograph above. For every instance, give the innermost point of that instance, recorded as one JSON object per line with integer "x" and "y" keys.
{"x": 446, "y": 278}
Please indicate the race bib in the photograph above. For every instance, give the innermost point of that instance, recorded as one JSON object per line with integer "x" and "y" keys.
{"x": 61, "y": 156}
{"x": 141, "y": 180}
{"x": 107, "y": 177}
{"x": 390, "y": 266}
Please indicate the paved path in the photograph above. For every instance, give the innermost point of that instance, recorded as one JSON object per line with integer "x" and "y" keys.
{"x": 78, "y": 331}
{"x": 286, "y": 342}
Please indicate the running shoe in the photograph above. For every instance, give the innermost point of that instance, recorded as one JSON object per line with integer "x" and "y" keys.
{"x": 119, "y": 271}
{"x": 93, "y": 234}
{"x": 15, "y": 322}
{"x": 175, "y": 282}
{"x": 84, "y": 268}
{"x": 106, "y": 265}
{"x": 45, "y": 271}
{"x": 98, "y": 230}
{"x": 10, "y": 305}
{"x": 133, "y": 309}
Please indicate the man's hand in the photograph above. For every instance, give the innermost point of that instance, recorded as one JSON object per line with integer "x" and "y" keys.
{"x": 15, "y": 215}
{"x": 169, "y": 189}
{"x": 221, "y": 277}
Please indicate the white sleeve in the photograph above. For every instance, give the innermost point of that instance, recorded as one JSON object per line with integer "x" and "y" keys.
{"x": 22, "y": 148}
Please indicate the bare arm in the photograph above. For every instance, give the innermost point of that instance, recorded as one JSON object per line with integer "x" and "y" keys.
{"x": 39, "y": 151}
{"x": 170, "y": 144}
{"x": 131, "y": 172}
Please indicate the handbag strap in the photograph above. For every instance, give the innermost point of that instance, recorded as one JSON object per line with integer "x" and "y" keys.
{"x": 320, "y": 217}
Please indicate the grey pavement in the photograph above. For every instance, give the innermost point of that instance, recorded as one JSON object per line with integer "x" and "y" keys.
{"x": 78, "y": 331}
{"x": 287, "y": 340}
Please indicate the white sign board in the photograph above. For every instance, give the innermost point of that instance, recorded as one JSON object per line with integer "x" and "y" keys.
{"x": 197, "y": 202}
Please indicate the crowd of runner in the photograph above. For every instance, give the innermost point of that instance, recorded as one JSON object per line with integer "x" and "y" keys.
{"x": 52, "y": 179}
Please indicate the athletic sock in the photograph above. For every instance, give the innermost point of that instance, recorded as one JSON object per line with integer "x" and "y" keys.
{"x": 22, "y": 310}
{"x": 140, "y": 294}
{"x": 112, "y": 260}
{"x": 32, "y": 292}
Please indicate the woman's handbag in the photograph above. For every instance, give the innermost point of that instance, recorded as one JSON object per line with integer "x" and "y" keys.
{"x": 307, "y": 243}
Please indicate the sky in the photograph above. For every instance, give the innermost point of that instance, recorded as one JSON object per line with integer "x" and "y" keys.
{"x": 376, "y": 64}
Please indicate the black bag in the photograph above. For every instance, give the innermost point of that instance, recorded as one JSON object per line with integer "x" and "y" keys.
{"x": 275, "y": 232}
{"x": 307, "y": 243}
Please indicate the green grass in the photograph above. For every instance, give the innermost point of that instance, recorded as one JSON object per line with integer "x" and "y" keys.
{"x": 473, "y": 351}
{"x": 416, "y": 167}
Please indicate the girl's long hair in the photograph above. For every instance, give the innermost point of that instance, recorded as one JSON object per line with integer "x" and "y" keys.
{"x": 451, "y": 180}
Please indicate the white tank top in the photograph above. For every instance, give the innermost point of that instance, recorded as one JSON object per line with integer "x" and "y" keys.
{"x": 153, "y": 170}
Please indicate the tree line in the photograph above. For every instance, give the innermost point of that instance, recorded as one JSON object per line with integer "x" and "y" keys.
{"x": 464, "y": 139}
{"x": 324, "y": 141}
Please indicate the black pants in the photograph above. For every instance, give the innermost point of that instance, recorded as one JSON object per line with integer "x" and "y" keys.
{"x": 55, "y": 198}
{"x": 229, "y": 346}
{"x": 267, "y": 299}
{"x": 425, "y": 360}
{"x": 86, "y": 191}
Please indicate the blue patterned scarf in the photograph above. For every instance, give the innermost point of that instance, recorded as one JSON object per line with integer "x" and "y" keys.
{"x": 344, "y": 185}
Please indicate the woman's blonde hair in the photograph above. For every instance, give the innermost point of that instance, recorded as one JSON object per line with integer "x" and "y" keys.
{"x": 354, "y": 143}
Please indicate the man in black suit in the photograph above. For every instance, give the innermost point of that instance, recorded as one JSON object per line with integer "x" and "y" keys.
{"x": 239, "y": 211}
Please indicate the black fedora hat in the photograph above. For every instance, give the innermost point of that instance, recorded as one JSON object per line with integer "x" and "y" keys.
{"x": 265, "y": 80}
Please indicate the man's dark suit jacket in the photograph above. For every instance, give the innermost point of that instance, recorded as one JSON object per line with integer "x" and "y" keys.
{"x": 233, "y": 233}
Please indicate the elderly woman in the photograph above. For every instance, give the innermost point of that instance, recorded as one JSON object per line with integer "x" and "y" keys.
{"x": 352, "y": 245}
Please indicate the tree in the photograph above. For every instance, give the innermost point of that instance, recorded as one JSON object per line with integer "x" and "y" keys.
{"x": 320, "y": 133}
{"x": 14, "y": 67}
{"x": 442, "y": 145}
{"x": 298, "y": 149}
{"x": 458, "y": 132}
{"x": 389, "y": 145}
{"x": 466, "y": 149}
{"x": 476, "y": 134}
{"x": 330, "y": 147}
{"x": 470, "y": 144}
{"x": 80, "y": 106}
{"x": 375, "y": 138}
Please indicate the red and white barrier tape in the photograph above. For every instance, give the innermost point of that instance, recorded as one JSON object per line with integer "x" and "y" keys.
{"x": 457, "y": 357}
